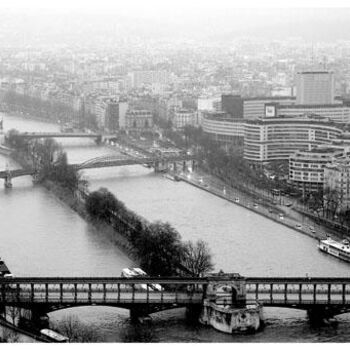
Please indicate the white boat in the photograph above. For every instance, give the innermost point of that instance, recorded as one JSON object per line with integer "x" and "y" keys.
{"x": 340, "y": 250}
{"x": 54, "y": 336}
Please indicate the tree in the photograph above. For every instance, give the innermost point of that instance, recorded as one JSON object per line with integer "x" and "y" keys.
{"x": 77, "y": 331}
{"x": 159, "y": 249}
{"x": 196, "y": 258}
{"x": 14, "y": 139}
{"x": 65, "y": 174}
{"x": 332, "y": 199}
{"x": 101, "y": 203}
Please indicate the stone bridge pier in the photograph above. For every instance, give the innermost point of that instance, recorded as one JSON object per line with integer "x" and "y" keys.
{"x": 227, "y": 289}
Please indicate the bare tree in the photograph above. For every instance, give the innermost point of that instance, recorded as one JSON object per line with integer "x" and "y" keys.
{"x": 77, "y": 331}
{"x": 196, "y": 257}
{"x": 9, "y": 336}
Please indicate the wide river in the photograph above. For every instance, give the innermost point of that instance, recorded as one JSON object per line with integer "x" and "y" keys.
{"x": 41, "y": 236}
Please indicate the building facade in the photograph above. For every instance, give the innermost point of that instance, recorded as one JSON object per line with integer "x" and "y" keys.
{"x": 223, "y": 128}
{"x": 233, "y": 105}
{"x": 138, "y": 120}
{"x": 306, "y": 168}
{"x": 335, "y": 112}
{"x": 148, "y": 77}
{"x": 337, "y": 179}
{"x": 272, "y": 139}
{"x": 183, "y": 117}
{"x": 315, "y": 87}
{"x": 254, "y": 108}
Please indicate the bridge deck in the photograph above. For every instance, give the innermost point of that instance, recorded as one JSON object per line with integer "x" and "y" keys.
{"x": 180, "y": 291}
{"x": 58, "y": 135}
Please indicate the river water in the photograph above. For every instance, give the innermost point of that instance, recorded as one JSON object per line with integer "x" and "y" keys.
{"x": 41, "y": 236}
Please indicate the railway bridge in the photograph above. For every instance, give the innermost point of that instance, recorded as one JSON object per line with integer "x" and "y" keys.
{"x": 321, "y": 297}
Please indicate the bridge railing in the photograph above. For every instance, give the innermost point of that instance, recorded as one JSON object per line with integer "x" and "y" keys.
{"x": 300, "y": 291}
{"x": 100, "y": 292}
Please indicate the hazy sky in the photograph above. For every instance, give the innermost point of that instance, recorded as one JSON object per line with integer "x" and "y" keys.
{"x": 315, "y": 20}
{"x": 151, "y": 8}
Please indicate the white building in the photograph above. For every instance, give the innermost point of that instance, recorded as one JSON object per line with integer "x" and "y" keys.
{"x": 272, "y": 139}
{"x": 183, "y": 117}
{"x": 337, "y": 179}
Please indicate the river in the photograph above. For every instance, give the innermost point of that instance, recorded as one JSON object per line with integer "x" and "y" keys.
{"x": 42, "y": 236}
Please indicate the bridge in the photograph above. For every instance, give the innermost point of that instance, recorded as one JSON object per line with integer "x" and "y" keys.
{"x": 160, "y": 163}
{"x": 40, "y": 135}
{"x": 157, "y": 293}
{"x": 111, "y": 161}
{"x": 16, "y": 172}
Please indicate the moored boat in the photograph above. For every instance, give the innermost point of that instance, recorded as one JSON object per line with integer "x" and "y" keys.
{"x": 340, "y": 250}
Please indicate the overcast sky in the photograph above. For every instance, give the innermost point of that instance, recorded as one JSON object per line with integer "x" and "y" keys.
{"x": 314, "y": 20}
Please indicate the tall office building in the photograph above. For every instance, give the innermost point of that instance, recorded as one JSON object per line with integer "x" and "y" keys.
{"x": 315, "y": 88}
{"x": 233, "y": 105}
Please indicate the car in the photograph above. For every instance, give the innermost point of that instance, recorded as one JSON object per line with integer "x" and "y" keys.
{"x": 281, "y": 216}
{"x": 289, "y": 204}
{"x": 255, "y": 205}
{"x": 237, "y": 200}
{"x": 312, "y": 229}
{"x": 298, "y": 226}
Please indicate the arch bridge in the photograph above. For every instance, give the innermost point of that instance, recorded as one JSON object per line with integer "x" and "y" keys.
{"x": 116, "y": 160}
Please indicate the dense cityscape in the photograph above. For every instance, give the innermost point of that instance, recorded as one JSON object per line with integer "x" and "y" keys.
{"x": 159, "y": 157}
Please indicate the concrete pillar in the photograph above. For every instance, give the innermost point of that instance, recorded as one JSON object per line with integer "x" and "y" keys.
{"x": 8, "y": 181}
{"x": 193, "y": 313}
{"x": 156, "y": 166}
{"x": 319, "y": 315}
{"x": 137, "y": 313}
